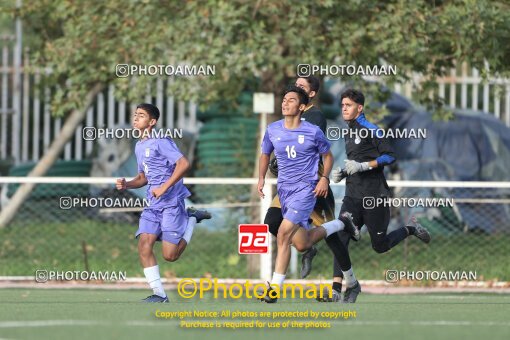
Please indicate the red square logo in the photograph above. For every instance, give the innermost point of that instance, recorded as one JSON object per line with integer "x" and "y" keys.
{"x": 253, "y": 238}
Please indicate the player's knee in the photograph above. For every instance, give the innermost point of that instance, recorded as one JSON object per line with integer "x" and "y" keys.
{"x": 171, "y": 256}
{"x": 284, "y": 239}
{"x": 301, "y": 247}
{"x": 273, "y": 219}
{"x": 302, "y": 244}
{"x": 144, "y": 247}
{"x": 381, "y": 247}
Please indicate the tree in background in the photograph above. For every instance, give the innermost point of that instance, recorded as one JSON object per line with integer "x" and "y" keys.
{"x": 83, "y": 41}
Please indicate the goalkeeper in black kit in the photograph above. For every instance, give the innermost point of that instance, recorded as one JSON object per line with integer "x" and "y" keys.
{"x": 367, "y": 152}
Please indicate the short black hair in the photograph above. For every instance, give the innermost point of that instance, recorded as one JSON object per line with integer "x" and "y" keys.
{"x": 354, "y": 95}
{"x": 152, "y": 110}
{"x": 303, "y": 97}
{"x": 314, "y": 82}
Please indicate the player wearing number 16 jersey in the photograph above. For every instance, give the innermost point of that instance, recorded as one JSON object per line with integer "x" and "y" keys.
{"x": 297, "y": 146}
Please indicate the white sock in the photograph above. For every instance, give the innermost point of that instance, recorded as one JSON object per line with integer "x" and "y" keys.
{"x": 154, "y": 280}
{"x": 333, "y": 226}
{"x": 189, "y": 229}
{"x": 350, "y": 279}
{"x": 278, "y": 279}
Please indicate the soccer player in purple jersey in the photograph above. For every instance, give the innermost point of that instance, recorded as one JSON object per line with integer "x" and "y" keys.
{"x": 162, "y": 166}
{"x": 297, "y": 146}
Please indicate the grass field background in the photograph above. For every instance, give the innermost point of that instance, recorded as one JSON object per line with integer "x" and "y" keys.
{"x": 101, "y": 314}
{"x": 25, "y": 248}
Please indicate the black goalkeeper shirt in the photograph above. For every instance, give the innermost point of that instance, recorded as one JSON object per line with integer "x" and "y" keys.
{"x": 315, "y": 116}
{"x": 363, "y": 144}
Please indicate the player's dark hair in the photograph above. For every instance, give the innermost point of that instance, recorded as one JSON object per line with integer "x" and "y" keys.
{"x": 152, "y": 110}
{"x": 303, "y": 97}
{"x": 354, "y": 95}
{"x": 314, "y": 82}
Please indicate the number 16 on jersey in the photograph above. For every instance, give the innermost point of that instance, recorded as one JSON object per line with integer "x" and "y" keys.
{"x": 291, "y": 151}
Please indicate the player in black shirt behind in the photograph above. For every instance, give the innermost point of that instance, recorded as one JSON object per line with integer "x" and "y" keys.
{"x": 368, "y": 152}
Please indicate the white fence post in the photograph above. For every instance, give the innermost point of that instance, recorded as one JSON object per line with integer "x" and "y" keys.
{"x": 37, "y": 117}
{"x": 25, "y": 110}
{"x": 507, "y": 105}
{"x": 5, "y": 73}
{"x": 16, "y": 98}
{"x": 266, "y": 260}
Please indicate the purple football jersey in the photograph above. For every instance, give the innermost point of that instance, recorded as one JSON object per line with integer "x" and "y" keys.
{"x": 297, "y": 151}
{"x": 156, "y": 158}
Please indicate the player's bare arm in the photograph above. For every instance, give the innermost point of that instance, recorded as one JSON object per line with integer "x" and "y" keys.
{"x": 263, "y": 166}
{"x": 321, "y": 190}
{"x": 181, "y": 167}
{"x": 137, "y": 182}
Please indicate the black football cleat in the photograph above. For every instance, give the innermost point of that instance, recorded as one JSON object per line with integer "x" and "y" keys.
{"x": 350, "y": 227}
{"x": 306, "y": 261}
{"x": 335, "y": 296}
{"x": 155, "y": 299}
{"x": 267, "y": 296}
{"x": 421, "y": 232}
{"x": 198, "y": 214}
{"x": 352, "y": 293}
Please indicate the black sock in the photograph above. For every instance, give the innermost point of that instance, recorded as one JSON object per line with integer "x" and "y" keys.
{"x": 337, "y": 286}
{"x": 339, "y": 251}
{"x": 397, "y": 235}
{"x": 337, "y": 271}
{"x": 411, "y": 230}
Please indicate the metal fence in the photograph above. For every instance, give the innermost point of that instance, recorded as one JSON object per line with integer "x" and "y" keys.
{"x": 472, "y": 234}
{"x": 27, "y": 126}
{"x": 464, "y": 88}
{"x": 25, "y": 99}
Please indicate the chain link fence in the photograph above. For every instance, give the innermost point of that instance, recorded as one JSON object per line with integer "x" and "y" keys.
{"x": 87, "y": 226}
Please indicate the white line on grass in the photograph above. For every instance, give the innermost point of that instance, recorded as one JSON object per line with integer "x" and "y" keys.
{"x": 49, "y": 323}
{"x": 150, "y": 323}
{"x": 53, "y": 323}
{"x": 424, "y": 323}
{"x": 467, "y": 297}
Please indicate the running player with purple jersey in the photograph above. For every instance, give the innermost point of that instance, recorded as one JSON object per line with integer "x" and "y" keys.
{"x": 297, "y": 146}
{"x": 162, "y": 166}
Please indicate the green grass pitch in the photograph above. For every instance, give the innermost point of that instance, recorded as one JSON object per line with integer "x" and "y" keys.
{"x": 118, "y": 314}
